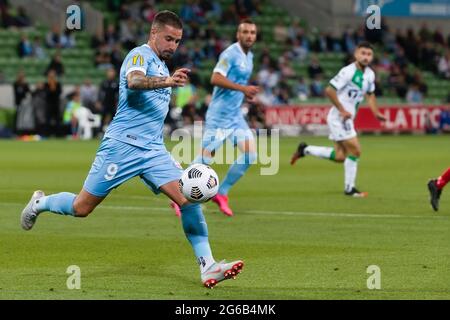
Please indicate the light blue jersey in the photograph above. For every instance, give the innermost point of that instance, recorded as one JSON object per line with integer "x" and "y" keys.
{"x": 133, "y": 144}
{"x": 140, "y": 114}
{"x": 224, "y": 110}
{"x": 224, "y": 119}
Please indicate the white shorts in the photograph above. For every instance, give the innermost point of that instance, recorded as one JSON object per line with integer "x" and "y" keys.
{"x": 340, "y": 130}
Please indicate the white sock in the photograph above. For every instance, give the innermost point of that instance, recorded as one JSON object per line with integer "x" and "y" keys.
{"x": 205, "y": 263}
{"x": 350, "y": 168}
{"x": 321, "y": 152}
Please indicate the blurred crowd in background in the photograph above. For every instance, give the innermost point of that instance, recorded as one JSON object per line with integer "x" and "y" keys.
{"x": 402, "y": 57}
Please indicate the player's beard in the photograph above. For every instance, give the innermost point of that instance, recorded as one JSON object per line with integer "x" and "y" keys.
{"x": 246, "y": 45}
{"x": 363, "y": 63}
{"x": 166, "y": 55}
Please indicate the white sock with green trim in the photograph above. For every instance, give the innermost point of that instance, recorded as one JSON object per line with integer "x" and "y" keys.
{"x": 321, "y": 152}
{"x": 350, "y": 168}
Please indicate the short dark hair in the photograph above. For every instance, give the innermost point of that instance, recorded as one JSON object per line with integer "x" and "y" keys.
{"x": 365, "y": 44}
{"x": 247, "y": 21}
{"x": 167, "y": 17}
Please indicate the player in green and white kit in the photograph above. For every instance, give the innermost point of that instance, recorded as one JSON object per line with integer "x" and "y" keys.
{"x": 346, "y": 90}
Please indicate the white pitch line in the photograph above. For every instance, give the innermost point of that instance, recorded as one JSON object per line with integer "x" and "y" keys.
{"x": 333, "y": 214}
{"x": 131, "y": 208}
{"x": 107, "y": 207}
{"x": 149, "y": 197}
{"x": 267, "y": 212}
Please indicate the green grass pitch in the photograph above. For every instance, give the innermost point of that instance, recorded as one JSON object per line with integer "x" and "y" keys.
{"x": 299, "y": 236}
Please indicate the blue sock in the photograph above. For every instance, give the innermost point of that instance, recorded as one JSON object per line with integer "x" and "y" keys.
{"x": 61, "y": 203}
{"x": 196, "y": 230}
{"x": 202, "y": 159}
{"x": 236, "y": 171}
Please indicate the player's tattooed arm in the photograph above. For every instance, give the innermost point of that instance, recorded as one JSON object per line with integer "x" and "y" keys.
{"x": 137, "y": 80}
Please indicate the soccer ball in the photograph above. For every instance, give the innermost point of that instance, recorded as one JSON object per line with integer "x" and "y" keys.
{"x": 199, "y": 183}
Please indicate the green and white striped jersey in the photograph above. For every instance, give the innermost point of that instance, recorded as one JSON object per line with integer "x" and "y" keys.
{"x": 351, "y": 85}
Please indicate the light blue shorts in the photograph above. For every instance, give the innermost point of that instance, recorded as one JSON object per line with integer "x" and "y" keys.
{"x": 214, "y": 137}
{"x": 117, "y": 162}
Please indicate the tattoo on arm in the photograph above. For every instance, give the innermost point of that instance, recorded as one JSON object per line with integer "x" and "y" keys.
{"x": 138, "y": 81}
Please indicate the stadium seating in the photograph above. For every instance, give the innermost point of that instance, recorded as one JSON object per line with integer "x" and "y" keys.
{"x": 79, "y": 61}
{"x": 330, "y": 61}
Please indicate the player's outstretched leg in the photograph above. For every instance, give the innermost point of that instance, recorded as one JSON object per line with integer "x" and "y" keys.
{"x": 299, "y": 153}
{"x": 321, "y": 152}
{"x": 196, "y": 231}
{"x": 435, "y": 187}
{"x": 64, "y": 203}
{"x": 29, "y": 213}
{"x": 60, "y": 203}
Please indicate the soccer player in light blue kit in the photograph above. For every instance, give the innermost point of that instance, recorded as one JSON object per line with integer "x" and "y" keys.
{"x": 224, "y": 119}
{"x": 133, "y": 146}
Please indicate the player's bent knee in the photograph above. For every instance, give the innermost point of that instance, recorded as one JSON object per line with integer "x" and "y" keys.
{"x": 339, "y": 157}
{"x": 356, "y": 153}
{"x": 182, "y": 202}
{"x": 82, "y": 210}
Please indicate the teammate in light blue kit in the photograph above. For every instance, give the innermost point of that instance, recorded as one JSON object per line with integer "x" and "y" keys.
{"x": 224, "y": 119}
{"x": 133, "y": 146}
